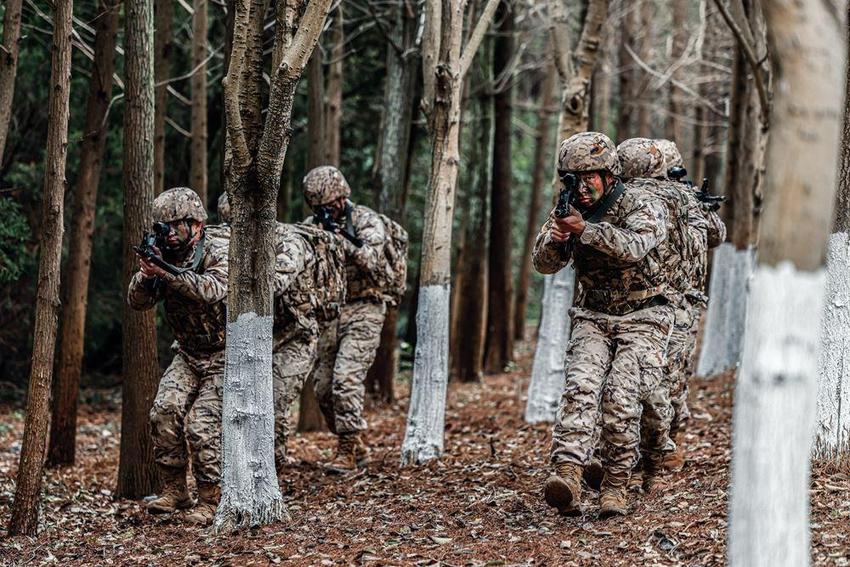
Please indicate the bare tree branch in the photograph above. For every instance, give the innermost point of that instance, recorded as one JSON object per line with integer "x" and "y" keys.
{"x": 233, "y": 85}
{"x": 476, "y": 36}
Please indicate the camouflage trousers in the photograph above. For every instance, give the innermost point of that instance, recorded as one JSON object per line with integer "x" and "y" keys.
{"x": 293, "y": 359}
{"x": 346, "y": 352}
{"x": 187, "y": 409}
{"x": 614, "y": 365}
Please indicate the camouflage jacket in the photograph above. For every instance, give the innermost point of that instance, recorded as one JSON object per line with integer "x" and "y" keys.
{"x": 618, "y": 260}
{"x": 365, "y": 266}
{"x": 309, "y": 276}
{"x": 714, "y": 235}
{"x": 194, "y": 300}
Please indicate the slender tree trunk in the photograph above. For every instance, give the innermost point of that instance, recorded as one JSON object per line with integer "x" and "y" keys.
{"x": 315, "y": 112}
{"x": 163, "y": 46}
{"x": 677, "y": 101}
{"x": 444, "y": 70}
{"x": 24, "y": 517}
{"x": 500, "y": 333}
{"x": 833, "y": 422}
{"x": 63, "y": 424}
{"x": 574, "y": 70}
{"x": 392, "y": 165}
{"x": 198, "y": 170}
{"x": 775, "y": 395}
{"x": 602, "y": 85}
{"x": 627, "y": 110}
{"x": 645, "y": 96}
{"x": 250, "y": 493}
{"x": 137, "y": 473}
{"x": 333, "y": 109}
{"x": 8, "y": 67}
{"x": 542, "y": 147}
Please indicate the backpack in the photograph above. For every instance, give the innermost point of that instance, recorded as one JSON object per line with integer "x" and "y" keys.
{"x": 326, "y": 285}
{"x": 395, "y": 251}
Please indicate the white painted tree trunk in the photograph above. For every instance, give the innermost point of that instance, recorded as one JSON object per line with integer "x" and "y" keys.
{"x": 250, "y": 492}
{"x": 833, "y": 406}
{"x": 727, "y": 310}
{"x": 547, "y": 372}
{"x": 774, "y": 419}
{"x": 423, "y": 439}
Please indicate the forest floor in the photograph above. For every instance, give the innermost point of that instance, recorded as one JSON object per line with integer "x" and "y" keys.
{"x": 479, "y": 505}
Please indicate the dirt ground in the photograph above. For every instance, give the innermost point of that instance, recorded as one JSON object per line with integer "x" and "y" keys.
{"x": 479, "y": 505}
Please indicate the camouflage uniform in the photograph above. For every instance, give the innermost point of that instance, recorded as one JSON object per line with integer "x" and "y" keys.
{"x": 620, "y": 326}
{"x": 309, "y": 290}
{"x": 191, "y": 388}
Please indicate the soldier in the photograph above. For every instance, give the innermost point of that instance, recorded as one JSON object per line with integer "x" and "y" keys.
{"x": 191, "y": 388}
{"x": 644, "y": 164}
{"x": 347, "y": 351}
{"x": 685, "y": 339}
{"x": 309, "y": 289}
{"x": 620, "y": 323}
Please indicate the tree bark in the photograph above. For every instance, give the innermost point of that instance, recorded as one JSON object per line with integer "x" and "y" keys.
{"x": 24, "y": 516}
{"x": 627, "y": 110}
{"x": 198, "y": 169}
{"x": 250, "y": 493}
{"x": 163, "y": 47}
{"x": 645, "y": 98}
{"x": 333, "y": 109}
{"x": 63, "y": 424}
{"x": 774, "y": 414}
{"x": 315, "y": 111}
{"x": 542, "y": 147}
{"x": 500, "y": 333}
{"x": 602, "y": 83}
{"x": 677, "y": 101}
{"x": 444, "y": 69}
{"x": 137, "y": 473}
{"x": 8, "y": 67}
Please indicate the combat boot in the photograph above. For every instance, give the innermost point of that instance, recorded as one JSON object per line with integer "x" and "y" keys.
{"x": 563, "y": 489}
{"x": 675, "y": 461}
{"x": 208, "y": 496}
{"x": 174, "y": 493}
{"x": 613, "y": 499}
{"x": 593, "y": 474}
{"x": 351, "y": 454}
{"x": 655, "y": 475}
{"x": 636, "y": 480}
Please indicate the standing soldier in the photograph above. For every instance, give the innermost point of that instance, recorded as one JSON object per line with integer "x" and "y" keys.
{"x": 713, "y": 234}
{"x": 347, "y": 351}
{"x": 644, "y": 164}
{"x": 190, "y": 277}
{"x": 620, "y": 323}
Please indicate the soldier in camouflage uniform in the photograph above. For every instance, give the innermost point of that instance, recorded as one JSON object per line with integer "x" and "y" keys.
{"x": 711, "y": 233}
{"x": 309, "y": 289}
{"x": 191, "y": 388}
{"x": 620, "y": 322}
{"x": 644, "y": 164}
{"x": 347, "y": 350}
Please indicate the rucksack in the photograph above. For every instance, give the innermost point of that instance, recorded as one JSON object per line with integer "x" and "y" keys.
{"x": 325, "y": 287}
{"x": 395, "y": 251}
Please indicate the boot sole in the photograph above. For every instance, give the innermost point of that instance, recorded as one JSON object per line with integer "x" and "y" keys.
{"x": 605, "y": 513}
{"x": 558, "y": 495}
{"x": 182, "y": 505}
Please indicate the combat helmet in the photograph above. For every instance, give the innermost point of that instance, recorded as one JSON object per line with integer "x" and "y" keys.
{"x": 324, "y": 184}
{"x": 177, "y": 204}
{"x": 223, "y": 208}
{"x": 640, "y": 157}
{"x": 588, "y": 151}
{"x": 671, "y": 152}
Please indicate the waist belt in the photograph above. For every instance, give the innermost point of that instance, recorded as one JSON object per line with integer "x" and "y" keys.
{"x": 623, "y": 302}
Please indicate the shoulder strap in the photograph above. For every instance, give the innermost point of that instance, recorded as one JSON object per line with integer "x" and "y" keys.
{"x": 607, "y": 202}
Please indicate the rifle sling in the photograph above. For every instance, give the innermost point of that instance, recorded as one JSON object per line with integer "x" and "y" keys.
{"x": 606, "y": 203}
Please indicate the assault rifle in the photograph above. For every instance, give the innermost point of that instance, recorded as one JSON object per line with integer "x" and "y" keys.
{"x": 704, "y": 195}
{"x": 152, "y": 241}
{"x": 325, "y": 217}
{"x": 567, "y": 196}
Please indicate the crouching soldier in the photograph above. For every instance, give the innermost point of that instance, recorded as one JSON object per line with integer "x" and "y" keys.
{"x": 620, "y": 323}
{"x": 375, "y": 250}
{"x": 190, "y": 277}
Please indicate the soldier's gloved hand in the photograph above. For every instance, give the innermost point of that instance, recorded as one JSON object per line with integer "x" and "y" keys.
{"x": 149, "y": 269}
{"x": 562, "y": 228}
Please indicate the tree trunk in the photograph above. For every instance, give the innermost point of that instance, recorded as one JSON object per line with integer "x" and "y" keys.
{"x": 500, "y": 333}
{"x": 774, "y": 414}
{"x": 542, "y": 147}
{"x": 137, "y": 473}
{"x": 163, "y": 46}
{"x": 392, "y": 165}
{"x": 250, "y": 493}
{"x": 315, "y": 112}
{"x": 677, "y": 101}
{"x": 333, "y": 110}
{"x": 24, "y": 517}
{"x": 198, "y": 170}
{"x": 645, "y": 96}
{"x": 63, "y": 424}
{"x": 833, "y": 422}
{"x": 574, "y": 70}
{"x": 627, "y": 110}
{"x": 8, "y": 67}
{"x": 444, "y": 71}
